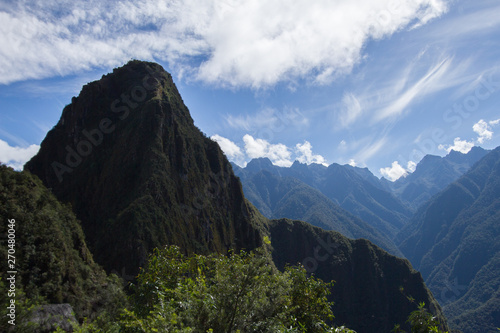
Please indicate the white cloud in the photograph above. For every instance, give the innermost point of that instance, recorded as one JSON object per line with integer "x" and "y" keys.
{"x": 394, "y": 172}
{"x": 352, "y": 162}
{"x": 459, "y": 145}
{"x": 229, "y": 148}
{"x": 482, "y": 129}
{"x": 16, "y": 157}
{"x": 305, "y": 154}
{"x": 411, "y": 166}
{"x": 279, "y": 154}
{"x": 235, "y": 43}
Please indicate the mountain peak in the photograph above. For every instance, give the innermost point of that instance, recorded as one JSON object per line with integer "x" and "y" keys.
{"x": 475, "y": 153}
{"x": 127, "y": 156}
{"x": 260, "y": 163}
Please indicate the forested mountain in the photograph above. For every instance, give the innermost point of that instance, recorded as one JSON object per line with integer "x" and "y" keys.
{"x": 139, "y": 175}
{"x": 351, "y": 188}
{"x": 288, "y": 197}
{"x": 454, "y": 240}
{"x": 127, "y": 156}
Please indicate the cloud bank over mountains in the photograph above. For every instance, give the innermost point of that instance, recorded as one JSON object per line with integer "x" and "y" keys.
{"x": 284, "y": 156}
{"x": 279, "y": 154}
{"x": 482, "y": 128}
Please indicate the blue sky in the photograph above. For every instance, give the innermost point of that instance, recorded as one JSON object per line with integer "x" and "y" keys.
{"x": 372, "y": 83}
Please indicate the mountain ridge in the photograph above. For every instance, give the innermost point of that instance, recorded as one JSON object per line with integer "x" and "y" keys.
{"x": 284, "y": 196}
{"x": 353, "y": 190}
{"x": 453, "y": 241}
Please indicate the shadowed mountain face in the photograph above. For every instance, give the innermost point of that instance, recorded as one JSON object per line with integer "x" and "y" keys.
{"x": 454, "y": 241}
{"x": 139, "y": 175}
{"x": 361, "y": 272}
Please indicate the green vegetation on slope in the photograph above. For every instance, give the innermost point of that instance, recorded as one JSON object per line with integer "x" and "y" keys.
{"x": 236, "y": 293}
{"x": 354, "y": 189}
{"x": 52, "y": 261}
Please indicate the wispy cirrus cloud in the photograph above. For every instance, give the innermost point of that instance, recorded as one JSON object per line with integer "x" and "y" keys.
{"x": 218, "y": 41}
{"x": 370, "y": 150}
{"x": 424, "y": 85}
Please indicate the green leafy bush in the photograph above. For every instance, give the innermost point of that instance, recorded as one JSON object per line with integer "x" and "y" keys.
{"x": 235, "y": 293}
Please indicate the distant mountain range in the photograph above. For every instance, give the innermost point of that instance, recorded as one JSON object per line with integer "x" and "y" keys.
{"x": 289, "y": 197}
{"x": 454, "y": 240}
{"x": 351, "y": 188}
{"x": 137, "y": 173}
{"x": 432, "y": 174}
{"x": 444, "y": 217}
{"x": 385, "y": 206}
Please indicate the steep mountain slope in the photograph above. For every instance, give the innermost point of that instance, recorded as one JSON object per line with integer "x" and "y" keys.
{"x": 139, "y": 174}
{"x": 454, "y": 241}
{"x": 351, "y": 188}
{"x": 278, "y": 197}
{"x": 433, "y": 174}
{"x": 49, "y": 254}
{"x": 361, "y": 270}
